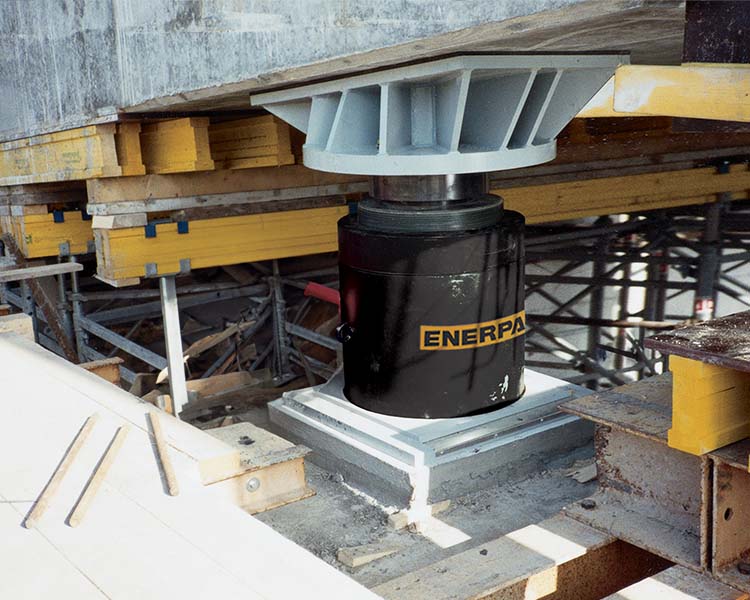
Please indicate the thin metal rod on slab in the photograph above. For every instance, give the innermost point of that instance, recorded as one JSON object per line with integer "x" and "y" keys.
{"x": 93, "y": 485}
{"x": 163, "y": 454}
{"x": 41, "y": 504}
{"x": 172, "y": 336}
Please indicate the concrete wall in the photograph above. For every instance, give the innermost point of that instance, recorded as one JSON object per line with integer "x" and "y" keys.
{"x": 63, "y": 62}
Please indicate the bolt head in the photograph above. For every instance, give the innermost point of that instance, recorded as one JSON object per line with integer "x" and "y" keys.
{"x": 253, "y": 484}
{"x": 588, "y": 504}
{"x": 744, "y": 568}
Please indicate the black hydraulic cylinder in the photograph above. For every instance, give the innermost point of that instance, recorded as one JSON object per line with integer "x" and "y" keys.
{"x": 433, "y": 322}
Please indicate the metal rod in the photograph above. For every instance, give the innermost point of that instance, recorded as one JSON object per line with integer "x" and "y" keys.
{"x": 149, "y": 357}
{"x": 173, "y": 338}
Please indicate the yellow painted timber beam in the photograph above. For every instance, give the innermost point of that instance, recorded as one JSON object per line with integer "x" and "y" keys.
{"x": 629, "y": 193}
{"x": 128, "y": 145}
{"x": 122, "y": 254}
{"x": 692, "y": 90}
{"x": 176, "y": 145}
{"x": 83, "y": 153}
{"x": 710, "y": 406}
{"x": 253, "y": 142}
{"x": 38, "y": 235}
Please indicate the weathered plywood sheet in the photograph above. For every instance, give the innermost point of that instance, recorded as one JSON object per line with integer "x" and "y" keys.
{"x": 136, "y": 541}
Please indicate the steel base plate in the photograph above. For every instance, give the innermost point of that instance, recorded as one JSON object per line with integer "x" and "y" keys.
{"x": 396, "y": 459}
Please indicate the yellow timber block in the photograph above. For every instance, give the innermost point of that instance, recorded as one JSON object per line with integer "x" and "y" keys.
{"x": 82, "y": 153}
{"x": 628, "y": 193}
{"x": 128, "y": 144}
{"x": 710, "y": 406}
{"x": 694, "y": 90}
{"x": 123, "y": 253}
{"x": 176, "y": 145}
{"x": 252, "y": 142}
{"x": 38, "y": 236}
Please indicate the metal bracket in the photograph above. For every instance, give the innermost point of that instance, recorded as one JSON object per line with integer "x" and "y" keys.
{"x": 465, "y": 114}
{"x": 58, "y": 216}
{"x": 152, "y": 269}
{"x": 64, "y": 248}
{"x": 184, "y": 266}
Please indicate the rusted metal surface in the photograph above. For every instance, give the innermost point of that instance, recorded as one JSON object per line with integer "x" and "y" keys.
{"x": 693, "y": 510}
{"x": 649, "y": 495}
{"x": 724, "y": 342}
{"x": 731, "y": 524}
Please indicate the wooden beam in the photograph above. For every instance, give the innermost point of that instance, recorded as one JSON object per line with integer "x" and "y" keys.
{"x": 555, "y": 559}
{"x": 18, "y": 323}
{"x": 34, "y": 272}
{"x": 678, "y": 583}
{"x": 122, "y": 254}
{"x": 39, "y": 233}
{"x": 184, "y": 185}
{"x": 693, "y": 90}
{"x": 80, "y": 153}
{"x": 106, "y": 368}
{"x": 128, "y": 144}
{"x": 176, "y": 145}
{"x": 710, "y": 407}
{"x": 253, "y": 142}
{"x": 631, "y": 193}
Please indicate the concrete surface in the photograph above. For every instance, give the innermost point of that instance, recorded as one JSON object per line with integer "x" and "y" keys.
{"x": 337, "y": 517}
{"x": 64, "y": 63}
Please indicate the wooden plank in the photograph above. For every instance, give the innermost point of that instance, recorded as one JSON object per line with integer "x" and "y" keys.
{"x": 630, "y": 193}
{"x": 710, "y": 406}
{"x": 97, "y": 479}
{"x": 214, "y": 339}
{"x": 19, "y": 324}
{"x": 356, "y": 556}
{"x": 155, "y": 533}
{"x": 275, "y": 473}
{"x": 557, "y": 558}
{"x": 34, "y": 272}
{"x": 251, "y": 142}
{"x": 228, "y": 382}
{"x": 122, "y": 254}
{"x": 42, "y": 502}
{"x": 678, "y": 583}
{"x": 128, "y": 145}
{"x": 190, "y": 185}
{"x": 642, "y": 408}
{"x": 163, "y": 453}
{"x": 39, "y": 235}
{"x": 74, "y": 154}
{"x": 119, "y": 221}
{"x": 176, "y": 145}
{"x": 695, "y": 90}
{"x": 106, "y": 368}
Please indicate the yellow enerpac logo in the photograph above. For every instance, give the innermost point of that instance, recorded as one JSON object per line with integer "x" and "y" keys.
{"x": 474, "y": 335}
